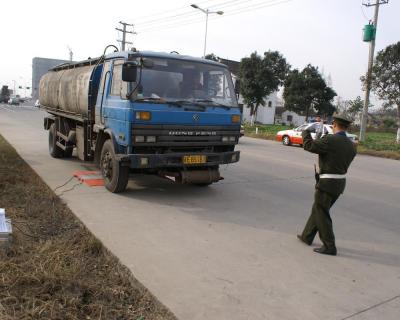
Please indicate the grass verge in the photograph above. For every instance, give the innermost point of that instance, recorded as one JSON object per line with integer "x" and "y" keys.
{"x": 380, "y": 144}
{"x": 54, "y": 268}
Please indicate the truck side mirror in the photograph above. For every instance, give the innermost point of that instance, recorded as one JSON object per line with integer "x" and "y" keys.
{"x": 129, "y": 71}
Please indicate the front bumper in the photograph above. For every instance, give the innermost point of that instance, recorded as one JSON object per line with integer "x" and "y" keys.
{"x": 174, "y": 160}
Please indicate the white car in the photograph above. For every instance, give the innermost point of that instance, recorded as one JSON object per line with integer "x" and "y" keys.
{"x": 37, "y": 104}
{"x": 293, "y": 136}
{"x": 13, "y": 101}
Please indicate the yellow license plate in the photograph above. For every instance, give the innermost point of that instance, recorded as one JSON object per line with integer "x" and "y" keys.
{"x": 194, "y": 159}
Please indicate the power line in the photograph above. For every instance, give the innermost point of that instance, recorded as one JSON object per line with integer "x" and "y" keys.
{"x": 236, "y": 11}
{"x": 173, "y": 17}
{"x": 185, "y": 15}
{"x": 363, "y": 12}
{"x": 228, "y": 4}
{"x": 256, "y": 6}
{"x": 124, "y": 32}
{"x": 161, "y": 13}
{"x": 231, "y": 2}
{"x": 191, "y": 21}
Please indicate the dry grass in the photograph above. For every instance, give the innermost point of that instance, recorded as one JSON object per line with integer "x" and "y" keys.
{"x": 395, "y": 155}
{"x": 54, "y": 268}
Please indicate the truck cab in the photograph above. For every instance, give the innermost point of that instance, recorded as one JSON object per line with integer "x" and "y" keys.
{"x": 166, "y": 114}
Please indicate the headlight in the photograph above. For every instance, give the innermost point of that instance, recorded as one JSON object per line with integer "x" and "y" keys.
{"x": 139, "y": 139}
{"x": 150, "y": 139}
{"x": 143, "y": 115}
{"x": 228, "y": 139}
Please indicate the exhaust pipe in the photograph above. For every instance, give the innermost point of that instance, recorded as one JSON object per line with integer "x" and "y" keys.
{"x": 197, "y": 176}
{"x": 200, "y": 176}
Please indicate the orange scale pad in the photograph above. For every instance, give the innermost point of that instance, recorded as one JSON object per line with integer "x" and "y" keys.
{"x": 90, "y": 178}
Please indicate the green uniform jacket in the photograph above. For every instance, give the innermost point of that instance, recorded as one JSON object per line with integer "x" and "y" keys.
{"x": 336, "y": 152}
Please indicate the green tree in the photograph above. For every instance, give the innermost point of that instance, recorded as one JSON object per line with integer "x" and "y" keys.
{"x": 385, "y": 79}
{"x": 4, "y": 94}
{"x": 212, "y": 56}
{"x": 307, "y": 90}
{"x": 214, "y": 81}
{"x": 259, "y": 77}
{"x": 355, "y": 106}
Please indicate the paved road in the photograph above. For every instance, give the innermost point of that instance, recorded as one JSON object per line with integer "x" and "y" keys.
{"x": 229, "y": 251}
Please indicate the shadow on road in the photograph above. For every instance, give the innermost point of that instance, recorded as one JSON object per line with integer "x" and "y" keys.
{"x": 370, "y": 256}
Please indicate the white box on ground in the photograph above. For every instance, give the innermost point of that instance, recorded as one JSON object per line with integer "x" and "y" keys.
{"x": 5, "y": 226}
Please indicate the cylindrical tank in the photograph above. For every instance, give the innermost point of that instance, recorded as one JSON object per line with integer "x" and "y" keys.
{"x": 369, "y": 33}
{"x": 66, "y": 90}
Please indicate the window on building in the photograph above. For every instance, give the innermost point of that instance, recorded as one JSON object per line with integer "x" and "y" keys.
{"x": 270, "y": 104}
{"x": 289, "y": 118}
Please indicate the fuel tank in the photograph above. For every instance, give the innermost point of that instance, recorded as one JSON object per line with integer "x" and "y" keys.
{"x": 67, "y": 90}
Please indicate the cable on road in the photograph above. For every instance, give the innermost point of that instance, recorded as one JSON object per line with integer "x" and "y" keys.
{"x": 64, "y": 184}
{"x": 70, "y": 189}
{"x": 372, "y": 307}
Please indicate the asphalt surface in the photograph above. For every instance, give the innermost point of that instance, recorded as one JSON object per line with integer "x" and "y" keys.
{"x": 230, "y": 251}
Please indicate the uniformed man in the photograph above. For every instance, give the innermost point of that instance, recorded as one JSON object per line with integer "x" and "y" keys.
{"x": 335, "y": 152}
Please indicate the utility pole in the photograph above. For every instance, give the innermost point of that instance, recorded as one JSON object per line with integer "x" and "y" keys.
{"x": 71, "y": 54}
{"x": 364, "y": 117}
{"x": 124, "y": 32}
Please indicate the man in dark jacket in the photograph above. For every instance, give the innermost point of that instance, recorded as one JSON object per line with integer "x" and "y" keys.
{"x": 335, "y": 152}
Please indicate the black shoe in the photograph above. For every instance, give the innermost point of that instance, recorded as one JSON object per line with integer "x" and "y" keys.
{"x": 324, "y": 250}
{"x": 303, "y": 240}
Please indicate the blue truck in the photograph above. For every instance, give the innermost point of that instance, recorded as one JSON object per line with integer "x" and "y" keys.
{"x": 143, "y": 112}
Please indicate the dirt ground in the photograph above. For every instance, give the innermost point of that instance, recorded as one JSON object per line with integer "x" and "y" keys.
{"x": 54, "y": 268}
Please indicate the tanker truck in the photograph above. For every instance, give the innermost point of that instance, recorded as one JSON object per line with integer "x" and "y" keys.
{"x": 143, "y": 112}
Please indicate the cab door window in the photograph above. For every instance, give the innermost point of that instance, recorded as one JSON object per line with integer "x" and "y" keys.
{"x": 104, "y": 76}
{"x": 118, "y": 87}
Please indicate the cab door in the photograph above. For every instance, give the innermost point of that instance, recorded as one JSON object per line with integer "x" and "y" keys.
{"x": 117, "y": 106}
{"x": 102, "y": 94}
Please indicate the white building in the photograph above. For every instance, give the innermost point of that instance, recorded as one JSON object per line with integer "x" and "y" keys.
{"x": 291, "y": 118}
{"x": 265, "y": 114}
{"x": 40, "y": 66}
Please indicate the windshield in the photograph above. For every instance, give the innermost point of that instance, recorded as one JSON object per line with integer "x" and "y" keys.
{"x": 177, "y": 80}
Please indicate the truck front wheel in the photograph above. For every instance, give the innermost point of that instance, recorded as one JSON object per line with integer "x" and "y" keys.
{"x": 115, "y": 176}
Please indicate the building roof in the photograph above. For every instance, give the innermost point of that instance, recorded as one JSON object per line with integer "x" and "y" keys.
{"x": 279, "y": 110}
{"x": 232, "y": 65}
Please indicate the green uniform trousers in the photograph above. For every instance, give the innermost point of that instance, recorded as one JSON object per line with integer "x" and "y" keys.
{"x": 320, "y": 220}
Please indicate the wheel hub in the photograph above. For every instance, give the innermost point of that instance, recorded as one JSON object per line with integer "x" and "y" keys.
{"x": 107, "y": 165}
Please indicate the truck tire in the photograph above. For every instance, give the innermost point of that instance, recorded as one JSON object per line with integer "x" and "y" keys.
{"x": 115, "y": 176}
{"x": 54, "y": 150}
{"x": 68, "y": 153}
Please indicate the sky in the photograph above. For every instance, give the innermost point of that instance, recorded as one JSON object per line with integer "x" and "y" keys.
{"x": 325, "y": 33}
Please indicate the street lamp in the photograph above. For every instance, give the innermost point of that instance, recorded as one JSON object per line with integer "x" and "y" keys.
{"x": 15, "y": 92}
{"x": 207, "y": 12}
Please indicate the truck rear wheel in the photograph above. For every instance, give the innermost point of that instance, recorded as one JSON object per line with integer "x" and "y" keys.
{"x": 54, "y": 150}
{"x": 115, "y": 176}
